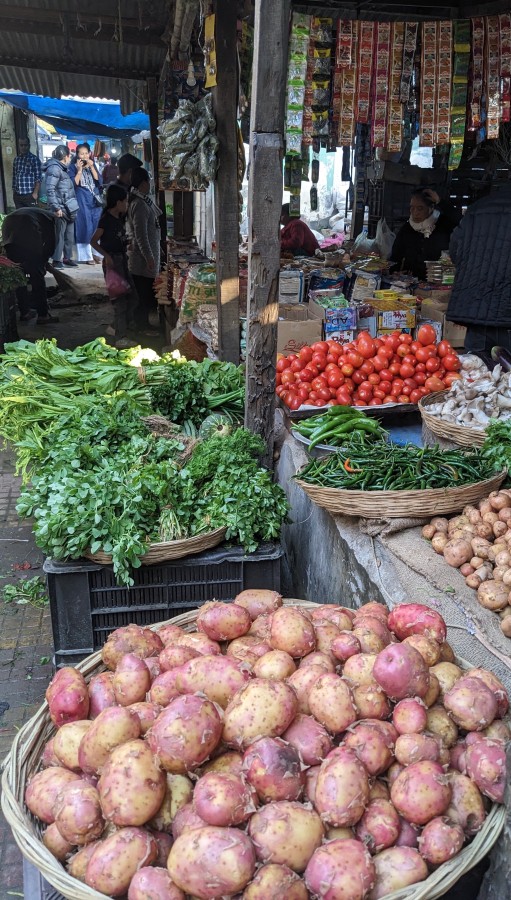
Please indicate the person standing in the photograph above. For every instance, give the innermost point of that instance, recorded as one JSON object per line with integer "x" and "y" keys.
{"x": 481, "y": 293}
{"x": 26, "y": 176}
{"x": 127, "y": 164}
{"x": 29, "y": 236}
{"x": 110, "y": 172}
{"x": 144, "y": 246}
{"x": 87, "y": 184}
{"x": 62, "y": 203}
{"x": 110, "y": 241}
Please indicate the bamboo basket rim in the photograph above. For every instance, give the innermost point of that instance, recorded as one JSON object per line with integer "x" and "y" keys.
{"x": 399, "y": 504}
{"x": 28, "y": 744}
{"x": 464, "y": 435}
{"x": 166, "y": 550}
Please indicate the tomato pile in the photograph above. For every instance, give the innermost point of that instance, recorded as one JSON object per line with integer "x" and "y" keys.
{"x": 367, "y": 372}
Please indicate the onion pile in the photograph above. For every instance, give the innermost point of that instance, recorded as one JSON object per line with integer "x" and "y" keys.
{"x": 478, "y": 543}
{"x": 279, "y": 751}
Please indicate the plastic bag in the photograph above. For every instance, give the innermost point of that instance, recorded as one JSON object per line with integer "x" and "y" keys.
{"x": 384, "y": 238}
{"x": 363, "y": 244}
{"x": 116, "y": 285}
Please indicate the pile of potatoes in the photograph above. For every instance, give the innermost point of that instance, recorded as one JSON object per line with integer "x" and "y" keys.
{"x": 478, "y": 543}
{"x": 279, "y": 751}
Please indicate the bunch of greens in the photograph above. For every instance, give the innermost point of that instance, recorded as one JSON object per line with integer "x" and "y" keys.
{"x": 11, "y": 276}
{"x": 497, "y": 445}
{"x": 190, "y": 391}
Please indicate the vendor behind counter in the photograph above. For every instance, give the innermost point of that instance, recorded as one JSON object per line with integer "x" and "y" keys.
{"x": 296, "y": 237}
{"x": 426, "y": 234}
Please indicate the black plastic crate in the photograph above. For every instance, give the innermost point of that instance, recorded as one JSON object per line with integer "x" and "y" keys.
{"x": 87, "y": 604}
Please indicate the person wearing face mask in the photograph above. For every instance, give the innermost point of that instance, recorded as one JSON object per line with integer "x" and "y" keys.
{"x": 144, "y": 247}
{"x": 87, "y": 182}
{"x": 426, "y": 234}
{"x": 62, "y": 203}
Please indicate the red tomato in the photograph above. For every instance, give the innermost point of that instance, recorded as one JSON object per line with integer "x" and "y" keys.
{"x": 331, "y": 367}
{"x": 411, "y": 382}
{"x": 359, "y": 402}
{"x": 280, "y": 389}
{"x": 335, "y": 379}
{"x": 347, "y": 369}
{"x": 423, "y": 391}
{"x": 434, "y": 384}
{"x": 406, "y": 370}
{"x": 405, "y": 339}
{"x": 414, "y": 346}
{"x": 386, "y": 351}
{"x": 332, "y": 359}
{"x": 397, "y": 386}
{"x": 444, "y": 349}
{"x": 385, "y": 386}
{"x": 367, "y": 367}
{"x": 451, "y": 363}
{"x": 305, "y": 354}
{"x": 278, "y": 379}
{"x": 389, "y": 399}
{"x": 319, "y": 403}
{"x": 283, "y": 364}
{"x": 334, "y": 348}
{"x": 303, "y": 394}
{"x": 410, "y": 360}
{"x": 365, "y": 345}
{"x": 403, "y": 399}
{"x": 378, "y": 393}
{"x": 343, "y": 398}
{"x": 291, "y": 357}
{"x": 433, "y": 364}
{"x": 386, "y": 375}
{"x": 320, "y": 347}
{"x": 313, "y": 395}
{"x": 324, "y": 394}
{"x": 378, "y": 343}
{"x": 394, "y": 368}
{"x": 358, "y": 377}
{"x": 319, "y": 360}
{"x": 379, "y": 362}
{"x": 420, "y": 377}
{"x": 373, "y": 378}
{"x": 415, "y": 396}
{"x": 288, "y": 377}
{"x": 364, "y": 395}
{"x": 450, "y": 378}
{"x": 306, "y": 375}
{"x": 319, "y": 383}
{"x": 407, "y": 390}
{"x": 349, "y": 384}
{"x": 376, "y": 401}
{"x": 426, "y": 335}
{"x": 284, "y": 397}
{"x": 393, "y": 341}
{"x": 433, "y": 349}
{"x": 333, "y": 392}
{"x": 420, "y": 367}
{"x": 422, "y": 354}
{"x": 366, "y": 386}
{"x": 297, "y": 365}
{"x": 355, "y": 359}
{"x": 402, "y": 351}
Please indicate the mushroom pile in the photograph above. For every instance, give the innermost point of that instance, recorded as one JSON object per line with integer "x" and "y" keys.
{"x": 477, "y": 397}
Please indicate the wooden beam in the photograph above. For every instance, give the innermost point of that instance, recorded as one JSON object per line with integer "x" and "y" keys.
{"x": 265, "y": 199}
{"x": 225, "y": 104}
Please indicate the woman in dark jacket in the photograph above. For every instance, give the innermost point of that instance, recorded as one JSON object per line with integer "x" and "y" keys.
{"x": 62, "y": 203}
{"x": 426, "y": 234}
{"x": 87, "y": 182}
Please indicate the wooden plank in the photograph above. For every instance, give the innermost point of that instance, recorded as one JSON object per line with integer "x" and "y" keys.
{"x": 265, "y": 199}
{"x": 225, "y": 102}
{"x": 152, "y": 109}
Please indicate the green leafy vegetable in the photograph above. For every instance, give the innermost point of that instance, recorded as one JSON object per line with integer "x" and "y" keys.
{"x": 497, "y": 446}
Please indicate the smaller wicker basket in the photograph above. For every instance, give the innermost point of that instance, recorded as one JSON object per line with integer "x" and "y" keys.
{"x": 463, "y": 435}
{"x": 400, "y": 504}
{"x": 163, "y": 552}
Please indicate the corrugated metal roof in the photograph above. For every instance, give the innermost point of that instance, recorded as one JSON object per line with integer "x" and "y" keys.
{"x": 56, "y": 47}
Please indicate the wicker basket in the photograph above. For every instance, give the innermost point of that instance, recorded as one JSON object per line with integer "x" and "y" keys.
{"x": 24, "y": 759}
{"x": 463, "y": 435}
{"x": 160, "y": 553}
{"x": 400, "y": 504}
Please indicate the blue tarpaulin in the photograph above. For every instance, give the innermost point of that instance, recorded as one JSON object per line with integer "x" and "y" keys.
{"x": 101, "y": 118}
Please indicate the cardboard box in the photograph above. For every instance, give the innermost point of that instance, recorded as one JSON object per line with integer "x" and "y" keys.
{"x": 342, "y": 319}
{"x": 342, "y": 337}
{"x": 394, "y": 315}
{"x": 293, "y": 312}
{"x": 436, "y": 311}
{"x": 368, "y": 324}
{"x": 296, "y": 330}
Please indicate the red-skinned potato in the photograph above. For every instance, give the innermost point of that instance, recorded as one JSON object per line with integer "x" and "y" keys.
{"x": 261, "y": 709}
{"x": 132, "y": 785}
{"x": 345, "y": 645}
{"x": 440, "y": 723}
{"x": 223, "y": 621}
{"x": 260, "y": 627}
{"x": 302, "y": 681}
{"x": 248, "y": 648}
{"x": 259, "y": 602}
{"x": 359, "y": 669}
{"x": 428, "y": 648}
{"x": 317, "y": 658}
{"x": 274, "y": 769}
{"x": 114, "y": 726}
{"x": 115, "y": 860}
{"x": 186, "y": 819}
{"x": 200, "y": 642}
{"x": 178, "y": 792}
{"x": 185, "y": 733}
{"x": 370, "y": 701}
{"x": 169, "y": 634}
{"x": 146, "y": 712}
{"x": 142, "y": 642}
{"x": 379, "y": 826}
{"x": 43, "y": 789}
{"x": 408, "y": 834}
{"x": 331, "y": 703}
{"x": 164, "y": 688}
{"x": 471, "y": 703}
{"x": 401, "y": 671}
{"x": 495, "y": 685}
{"x": 309, "y": 738}
{"x": 311, "y": 780}
{"x": 78, "y": 814}
{"x": 340, "y": 869}
{"x": 421, "y": 792}
{"x": 286, "y": 833}
{"x": 131, "y": 680}
{"x": 276, "y": 881}
{"x": 77, "y": 864}
{"x": 67, "y": 742}
{"x": 292, "y": 632}
{"x": 164, "y": 842}
{"x": 410, "y": 716}
{"x": 466, "y": 807}
{"x": 373, "y": 608}
{"x": 225, "y": 854}
{"x": 415, "y": 618}
{"x": 48, "y": 758}
{"x": 412, "y": 748}
{"x": 218, "y": 677}
{"x": 101, "y": 693}
{"x": 326, "y": 633}
{"x": 447, "y": 674}
{"x": 396, "y": 868}
{"x": 56, "y": 844}
{"x": 371, "y": 746}
{"x": 486, "y": 766}
{"x": 342, "y": 788}
{"x": 223, "y": 799}
{"x": 151, "y": 881}
{"x": 175, "y": 655}
{"x": 229, "y": 761}
{"x": 440, "y": 841}
{"x": 68, "y": 697}
{"x": 275, "y": 665}
{"x": 338, "y": 615}
{"x": 378, "y": 791}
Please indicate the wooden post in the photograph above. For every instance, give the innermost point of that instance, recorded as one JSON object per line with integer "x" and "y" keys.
{"x": 225, "y": 104}
{"x": 264, "y": 207}
{"x": 152, "y": 104}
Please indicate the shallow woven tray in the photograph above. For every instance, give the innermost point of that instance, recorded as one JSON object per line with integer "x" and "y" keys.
{"x": 24, "y": 760}
{"x": 159, "y": 553}
{"x": 463, "y": 435}
{"x": 398, "y": 504}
